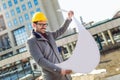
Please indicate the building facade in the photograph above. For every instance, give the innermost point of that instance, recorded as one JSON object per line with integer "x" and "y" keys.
{"x": 15, "y": 28}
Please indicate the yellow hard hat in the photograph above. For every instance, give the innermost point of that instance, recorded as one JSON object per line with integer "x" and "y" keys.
{"x": 39, "y": 16}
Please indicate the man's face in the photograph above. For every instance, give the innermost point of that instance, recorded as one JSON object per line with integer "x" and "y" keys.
{"x": 40, "y": 26}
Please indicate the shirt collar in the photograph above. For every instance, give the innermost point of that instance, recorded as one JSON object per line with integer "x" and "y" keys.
{"x": 36, "y": 34}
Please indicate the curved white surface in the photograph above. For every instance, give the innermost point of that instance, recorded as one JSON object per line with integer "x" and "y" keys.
{"x": 86, "y": 55}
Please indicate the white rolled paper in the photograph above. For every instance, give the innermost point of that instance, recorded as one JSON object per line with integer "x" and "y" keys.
{"x": 86, "y": 55}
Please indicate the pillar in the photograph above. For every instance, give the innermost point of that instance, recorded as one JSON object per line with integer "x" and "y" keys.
{"x": 111, "y": 37}
{"x": 104, "y": 37}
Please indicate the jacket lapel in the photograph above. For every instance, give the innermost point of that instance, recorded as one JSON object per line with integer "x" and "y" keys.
{"x": 38, "y": 36}
{"x": 53, "y": 46}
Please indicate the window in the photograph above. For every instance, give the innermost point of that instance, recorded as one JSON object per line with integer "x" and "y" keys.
{"x": 27, "y": 68}
{"x": 23, "y": 7}
{"x": 29, "y": 4}
{"x": 7, "y": 15}
{"x": 21, "y": 0}
{"x": 10, "y": 3}
{"x": 16, "y": 70}
{"x": 31, "y": 13}
{"x": 26, "y": 16}
{"x": 9, "y": 24}
{"x": 15, "y": 2}
{"x": 4, "y": 6}
{"x": 7, "y": 55}
{"x": 36, "y": 2}
{"x": 21, "y": 50}
{"x": 14, "y": 76}
{"x": 21, "y": 19}
{"x": 18, "y": 10}
{"x": 21, "y": 73}
{"x": 29, "y": 26}
{"x": 20, "y": 35}
{"x": 4, "y": 42}
{"x": 38, "y": 10}
{"x": 15, "y": 22}
{"x": 2, "y": 23}
{"x": 12, "y": 12}
{"x": 35, "y": 66}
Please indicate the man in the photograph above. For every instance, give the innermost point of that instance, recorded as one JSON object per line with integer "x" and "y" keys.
{"x": 43, "y": 49}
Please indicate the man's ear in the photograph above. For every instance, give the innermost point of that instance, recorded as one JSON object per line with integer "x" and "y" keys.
{"x": 34, "y": 25}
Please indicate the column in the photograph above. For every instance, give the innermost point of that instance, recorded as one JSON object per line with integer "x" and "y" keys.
{"x": 67, "y": 47}
{"x": 104, "y": 37}
{"x": 12, "y": 41}
{"x": 72, "y": 45}
{"x": 111, "y": 37}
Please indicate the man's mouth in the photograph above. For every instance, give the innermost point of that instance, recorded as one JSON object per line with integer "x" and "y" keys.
{"x": 43, "y": 28}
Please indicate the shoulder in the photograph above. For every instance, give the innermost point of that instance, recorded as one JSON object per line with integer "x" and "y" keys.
{"x": 68, "y": 20}
{"x": 31, "y": 38}
{"x": 48, "y": 33}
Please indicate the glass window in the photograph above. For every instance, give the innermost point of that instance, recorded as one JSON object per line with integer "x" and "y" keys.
{"x": 36, "y": 2}
{"x": 21, "y": 74}
{"x": 29, "y": 4}
{"x": 23, "y": 7}
{"x": 20, "y": 35}
{"x": 16, "y": 71}
{"x": 31, "y": 13}
{"x": 38, "y": 10}
{"x": 21, "y": 19}
{"x": 29, "y": 26}
{"x": 4, "y": 6}
{"x": 4, "y": 42}
{"x": 12, "y": 12}
{"x": 18, "y": 9}
{"x": 9, "y": 24}
{"x": 6, "y": 77}
{"x": 7, "y": 55}
{"x": 15, "y": 2}
{"x": 26, "y": 16}
{"x": 15, "y": 22}
{"x": 21, "y": 50}
{"x": 14, "y": 76}
{"x": 21, "y": 0}
{"x": 7, "y": 15}
{"x": 10, "y": 3}
{"x": 2, "y": 23}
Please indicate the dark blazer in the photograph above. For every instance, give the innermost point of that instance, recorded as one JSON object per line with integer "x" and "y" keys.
{"x": 45, "y": 53}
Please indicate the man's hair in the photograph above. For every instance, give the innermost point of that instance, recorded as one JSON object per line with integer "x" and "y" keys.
{"x": 35, "y": 22}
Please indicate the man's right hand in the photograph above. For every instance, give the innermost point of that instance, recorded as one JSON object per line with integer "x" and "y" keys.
{"x": 70, "y": 14}
{"x": 64, "y": 72}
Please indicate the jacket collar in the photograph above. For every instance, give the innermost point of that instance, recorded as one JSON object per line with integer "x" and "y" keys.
{"x": 38, "y": 35}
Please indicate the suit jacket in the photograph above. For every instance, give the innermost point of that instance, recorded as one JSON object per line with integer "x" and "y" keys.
{"x": 45, "y": 53}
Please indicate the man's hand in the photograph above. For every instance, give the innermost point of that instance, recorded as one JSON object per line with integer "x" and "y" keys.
{"x": 64, "y": 72}
{"x": 70, "y": 14}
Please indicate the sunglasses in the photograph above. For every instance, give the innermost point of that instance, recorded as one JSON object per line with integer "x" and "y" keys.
{"x": 42, "y": 24}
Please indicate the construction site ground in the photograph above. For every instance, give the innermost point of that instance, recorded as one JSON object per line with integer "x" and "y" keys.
{"x": 110, "y": 60}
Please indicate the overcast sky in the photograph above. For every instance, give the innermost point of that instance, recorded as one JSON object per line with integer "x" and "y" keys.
{"x": 91, "y": 10}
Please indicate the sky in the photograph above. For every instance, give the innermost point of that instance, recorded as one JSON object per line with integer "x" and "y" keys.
{"x": 91, "y": 10}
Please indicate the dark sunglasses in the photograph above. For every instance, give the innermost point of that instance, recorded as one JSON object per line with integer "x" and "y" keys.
{"x": 42, "y": 24}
